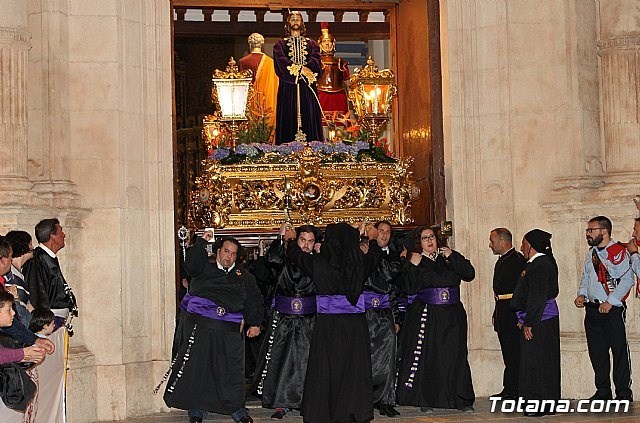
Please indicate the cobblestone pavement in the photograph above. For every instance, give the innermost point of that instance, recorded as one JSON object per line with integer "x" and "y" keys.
{"x": 412, "y": 414}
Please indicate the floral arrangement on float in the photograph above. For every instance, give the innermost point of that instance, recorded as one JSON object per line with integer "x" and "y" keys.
{"x": 347, "y": 144}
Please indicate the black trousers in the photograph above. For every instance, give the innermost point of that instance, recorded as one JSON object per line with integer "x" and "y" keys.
{"x": 505, "y": 324}
{"x": 606, "y": 332}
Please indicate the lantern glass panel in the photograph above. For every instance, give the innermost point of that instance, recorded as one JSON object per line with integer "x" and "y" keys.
{"x": 232, "y": 97}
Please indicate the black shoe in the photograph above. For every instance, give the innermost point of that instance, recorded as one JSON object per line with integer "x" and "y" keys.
{"x": 195, "y": 419}
{"x": 533, "y": 413}
{"x": 279, "y": 414}
{"x": 467, "y": 409}
{"x": 382, "y": 409}
{"x": 624, "y": 397}
{"x": 426, "y": 409}
{"x": 538, "y": 413}
{"x": 392, "y": 412}
{"x": 245, "y": 419}
{"x": 600, "y": 396}
{"x": 505, "y": 396}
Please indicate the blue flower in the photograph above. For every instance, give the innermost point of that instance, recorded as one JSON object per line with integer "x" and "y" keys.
{"x": 265, "y": 148}
{"x": 219, "y": 153}
{"x": 317, "y": 146}
{"x": 340, "y": 147}
{"x": 284, "y": 149}
{"x": 296, "y": 146}
{"x": 362, "y": 145}
{"x": 246, "y": 149}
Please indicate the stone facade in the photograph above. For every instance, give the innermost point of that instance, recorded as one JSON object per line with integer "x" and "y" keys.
{"x": 541, "y": 130}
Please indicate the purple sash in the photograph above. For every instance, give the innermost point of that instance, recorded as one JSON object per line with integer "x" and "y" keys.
{"x": 295, "y": 305}
{"x": 440, "y": 296}
{"x": 338, "y": 304}
{"x": 207, "y": 308}
{"x": 405, "y": 302}
{"x": 374, "y": 301}
{"x": 550, "y": 311}
{"x": 185, "y": 301}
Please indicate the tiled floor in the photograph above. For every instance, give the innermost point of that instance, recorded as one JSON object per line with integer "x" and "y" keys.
{"x": 411, "y": 414}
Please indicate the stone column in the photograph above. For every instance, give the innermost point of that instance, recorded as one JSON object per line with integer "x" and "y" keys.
{"x": 14, "y": 47}
{"x": 619, "y": 49}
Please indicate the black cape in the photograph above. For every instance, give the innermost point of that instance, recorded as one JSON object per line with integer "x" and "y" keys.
{"x": 338, "y": 385}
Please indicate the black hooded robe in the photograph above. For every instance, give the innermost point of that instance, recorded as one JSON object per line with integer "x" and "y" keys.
{"x": 338, "y": 385}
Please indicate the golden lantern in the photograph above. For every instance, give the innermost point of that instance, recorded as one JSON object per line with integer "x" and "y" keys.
{"x": 371, "y": 92}
{"x": 230, "y": 92}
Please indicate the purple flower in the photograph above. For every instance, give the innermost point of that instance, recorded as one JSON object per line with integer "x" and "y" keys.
{"x": 340, "y": 147}
{"x": 296, "y": 146}
{"x": 266, "y": 148}
{"x": 246, "y": 149}
{"x": 317, "y": 146}
{"x": 219, "y": 154}
{"x": 284, "y": 149}
{"x": 361, "y": 145}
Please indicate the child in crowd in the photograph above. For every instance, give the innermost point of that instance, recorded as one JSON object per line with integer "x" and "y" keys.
{"x": 42, "y": 322}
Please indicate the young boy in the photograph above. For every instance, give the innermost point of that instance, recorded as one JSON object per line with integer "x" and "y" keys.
{"x": 42, "y": 322}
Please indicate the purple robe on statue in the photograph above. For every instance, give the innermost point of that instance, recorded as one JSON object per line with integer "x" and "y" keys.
{"x": 286, "y": 106}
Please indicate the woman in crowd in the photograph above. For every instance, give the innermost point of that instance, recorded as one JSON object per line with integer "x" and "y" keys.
{"x": 434, "y": 369}
{"x": 22, "y": 247}
{"x": 534, "y": 301}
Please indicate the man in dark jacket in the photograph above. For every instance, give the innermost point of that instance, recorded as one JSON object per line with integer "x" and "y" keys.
{"x": 505, "y": 322}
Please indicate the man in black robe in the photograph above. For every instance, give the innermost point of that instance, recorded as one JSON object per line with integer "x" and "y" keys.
{"x": 283, "y": 361}
{"x": 338, "y": 386}
{"x": 534, "y": 301}
{"x": 506, "y": 273}
{"x": 297, "y": 64}
{"x": 43, "y": 276}
{"x": 207, "y": 374}
{"x": 382, "y": 315}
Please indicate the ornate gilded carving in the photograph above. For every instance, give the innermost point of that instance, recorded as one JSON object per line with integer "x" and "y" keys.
{"x": 252, "y": 195}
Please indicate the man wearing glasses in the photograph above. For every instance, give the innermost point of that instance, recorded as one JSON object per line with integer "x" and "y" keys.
{"x": 606, "y": 281}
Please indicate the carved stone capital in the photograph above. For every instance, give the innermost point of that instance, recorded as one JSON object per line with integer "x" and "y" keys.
{"x": 625, "y": 42}
{"x": 17, "y": 35}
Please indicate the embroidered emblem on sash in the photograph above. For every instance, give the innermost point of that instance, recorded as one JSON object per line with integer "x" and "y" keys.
{"x": 375, "y": 302}
{"x": 444, "y": 295}
{"x": 296, "y": 305}
{"x": 221, "y": 311}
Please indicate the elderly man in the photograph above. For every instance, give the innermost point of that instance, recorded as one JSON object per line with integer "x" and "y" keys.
{"x": 207, "y": 374}
{"x": 606, "y": 281}
{"x": 43, "y": 276}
